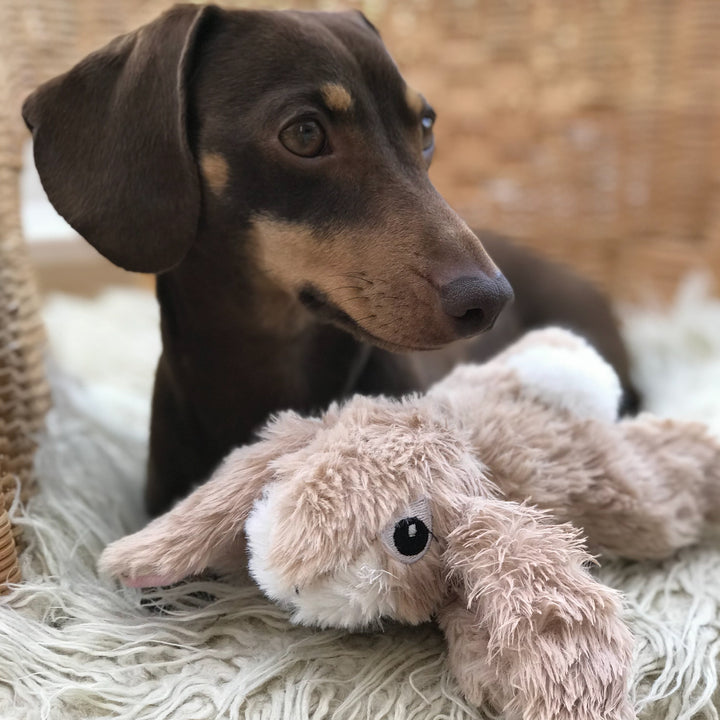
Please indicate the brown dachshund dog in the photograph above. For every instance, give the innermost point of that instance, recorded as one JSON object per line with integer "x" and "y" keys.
{"x": 271, "y": 168}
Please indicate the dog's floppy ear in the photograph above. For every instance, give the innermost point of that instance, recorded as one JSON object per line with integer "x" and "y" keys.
{"x": 531, "y": 630}
{"x": 111, "y": 145}
{"x": 205, "y": 530}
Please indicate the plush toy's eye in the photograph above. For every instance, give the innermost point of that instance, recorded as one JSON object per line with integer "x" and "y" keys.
{"x": 408, "y": 537}
{"x": 411, "y": 536}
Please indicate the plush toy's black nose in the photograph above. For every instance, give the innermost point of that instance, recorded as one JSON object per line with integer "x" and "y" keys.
{"x": 475, "y": 301}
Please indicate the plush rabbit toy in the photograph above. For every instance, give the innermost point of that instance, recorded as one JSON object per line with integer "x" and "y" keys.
{"x": 456, "y": 505}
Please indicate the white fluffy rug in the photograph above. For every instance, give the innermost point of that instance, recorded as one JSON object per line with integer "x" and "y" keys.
{"x": 73, "y": 646}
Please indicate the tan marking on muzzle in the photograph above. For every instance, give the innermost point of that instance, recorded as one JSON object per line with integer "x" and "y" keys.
{"x": 287, "y": 252}
{"x": 336, "y": 97}
{"x": 379, "y": 279}
{"x": 414, "y": 100}
{"x": 216, "y": 171}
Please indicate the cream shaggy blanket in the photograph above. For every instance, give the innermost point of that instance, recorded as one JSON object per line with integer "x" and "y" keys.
{"x": 74, "y": 646}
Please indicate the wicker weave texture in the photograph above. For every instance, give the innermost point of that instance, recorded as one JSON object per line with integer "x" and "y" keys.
{"x": 590, "y": 130}
{"x": 24, "y": 396}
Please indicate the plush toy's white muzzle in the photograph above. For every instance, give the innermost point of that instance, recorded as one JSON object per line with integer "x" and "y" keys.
{"x": 353, "y": 597}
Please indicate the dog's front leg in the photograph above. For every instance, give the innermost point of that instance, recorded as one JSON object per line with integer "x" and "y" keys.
{"x": 177, "y": 459}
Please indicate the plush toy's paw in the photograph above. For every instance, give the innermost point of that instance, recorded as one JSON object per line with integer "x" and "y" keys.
{"x": 134, "y": 561}
{"x": 564, "y": 370}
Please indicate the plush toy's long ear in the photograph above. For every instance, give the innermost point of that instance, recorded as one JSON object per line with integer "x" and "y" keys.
{"x": 531, "y": 630}
{"x": 205, "y": 530}
{"x": 111, "y": 146}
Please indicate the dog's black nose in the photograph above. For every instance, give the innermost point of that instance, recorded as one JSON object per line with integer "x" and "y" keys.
{"x": 475, "y": 301}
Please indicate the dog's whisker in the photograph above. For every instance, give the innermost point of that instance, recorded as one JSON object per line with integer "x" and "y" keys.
{"x": 384, "y": 325}
{"x": 357, "y": 276}
{"x": 345, "y": 287}
{"x": 356, "y": 297}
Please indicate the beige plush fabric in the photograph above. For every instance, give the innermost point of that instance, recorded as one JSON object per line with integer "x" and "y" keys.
{"x": 75, "y": 646}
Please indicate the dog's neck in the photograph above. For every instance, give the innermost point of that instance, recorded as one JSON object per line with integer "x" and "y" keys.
{"x": 236, "y": 349}
{"x": 207, "y": 304}
{"x": 233, "y": 332}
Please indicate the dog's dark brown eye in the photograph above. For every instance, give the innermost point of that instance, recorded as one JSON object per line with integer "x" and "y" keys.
{"x": 305, "y": 138}
{"x": 427, "y": 123}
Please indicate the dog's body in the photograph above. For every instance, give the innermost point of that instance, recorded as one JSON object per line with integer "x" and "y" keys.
{"x": 272, "y": 169}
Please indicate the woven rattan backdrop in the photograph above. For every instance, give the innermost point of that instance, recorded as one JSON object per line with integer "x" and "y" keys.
{"x": 23, "y": 392}
{"x": 589, "y": 128}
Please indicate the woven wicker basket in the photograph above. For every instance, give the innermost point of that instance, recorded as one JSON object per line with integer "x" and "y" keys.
{"x": 592, "y": 130}
{"x": 23, "y": 390}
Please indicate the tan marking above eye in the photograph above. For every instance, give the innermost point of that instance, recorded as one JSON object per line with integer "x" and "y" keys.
{"x": 414, "y": 100}
{"x": 336, "y": 97}
{"x": 216, "y": 171}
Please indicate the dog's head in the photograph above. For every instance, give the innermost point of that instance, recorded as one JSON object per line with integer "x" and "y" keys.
{"x": 287, "y": 140}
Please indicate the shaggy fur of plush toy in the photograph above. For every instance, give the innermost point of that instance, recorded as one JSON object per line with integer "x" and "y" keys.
{"x": 418, "y": 509}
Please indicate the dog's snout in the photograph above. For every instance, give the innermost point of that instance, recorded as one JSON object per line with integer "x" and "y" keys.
{"x": 475, "y": 301}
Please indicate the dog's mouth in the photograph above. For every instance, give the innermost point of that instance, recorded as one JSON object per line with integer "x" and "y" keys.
{"x": 318, "y": 303}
